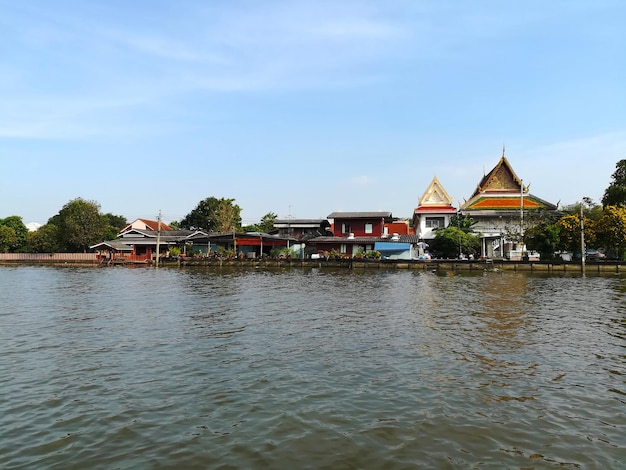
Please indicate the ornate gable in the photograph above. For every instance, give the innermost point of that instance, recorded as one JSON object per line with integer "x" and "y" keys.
{"x": 501, "y": 190}
{"x": 501, "y": 178}
{"x": 435, "y": 195}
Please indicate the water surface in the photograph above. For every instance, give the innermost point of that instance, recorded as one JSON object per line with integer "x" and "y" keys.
{"x": 205, "y": 368}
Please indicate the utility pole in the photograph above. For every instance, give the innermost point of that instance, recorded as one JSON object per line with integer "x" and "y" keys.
{"x": 158, "y": 240}
{"x": 458, "y": 226}
{"x": 582, "y": 239}
{"x": 288, "y": 228}
{"x": 521, "y": 223}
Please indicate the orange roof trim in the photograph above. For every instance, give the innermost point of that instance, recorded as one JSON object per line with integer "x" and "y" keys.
{"x": 504, "y": 203}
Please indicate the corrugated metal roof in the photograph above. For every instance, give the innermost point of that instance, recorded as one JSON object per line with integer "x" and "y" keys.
{"x": 314, "y": 222}
{"x": 365, "y": 240}
{"x": 359, "y": 215}
{"x": 113, "y": 244}
{"x": 391, "y": 246}
{"x": 226, "y": 236}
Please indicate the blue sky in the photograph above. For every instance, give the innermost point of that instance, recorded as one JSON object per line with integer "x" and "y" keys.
{"x": 303, "y": 108}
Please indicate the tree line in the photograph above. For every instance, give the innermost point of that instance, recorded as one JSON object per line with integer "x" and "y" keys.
{"x": 80, "y": 224}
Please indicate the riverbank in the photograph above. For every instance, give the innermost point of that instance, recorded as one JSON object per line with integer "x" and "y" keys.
{"x": 427, "y": 265}
{"x": 90, "y": 259}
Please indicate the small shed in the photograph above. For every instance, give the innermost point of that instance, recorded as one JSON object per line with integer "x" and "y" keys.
{"x": 393, "y": 250}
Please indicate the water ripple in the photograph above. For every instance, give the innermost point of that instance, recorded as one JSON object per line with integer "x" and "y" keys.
{"x": 197, "y": 368}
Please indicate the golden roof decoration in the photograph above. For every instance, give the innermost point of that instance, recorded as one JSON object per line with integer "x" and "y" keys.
{"x": 435, "y": 195}
{"x": 501, "y": 178}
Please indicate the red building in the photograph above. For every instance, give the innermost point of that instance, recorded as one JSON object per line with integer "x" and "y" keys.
{"x": 359, "y": 224}
{"x": 353, "y": 232}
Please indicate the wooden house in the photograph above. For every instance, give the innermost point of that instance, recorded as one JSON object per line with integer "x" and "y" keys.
{"x": 136, "y": 245}
{"x": 359, "y": 224}
{"x": 360, "y": 232}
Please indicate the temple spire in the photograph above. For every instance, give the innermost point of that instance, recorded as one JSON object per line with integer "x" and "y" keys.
{"x": 503, "y": 150}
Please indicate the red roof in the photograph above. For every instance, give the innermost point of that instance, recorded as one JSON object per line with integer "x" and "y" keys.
{"x": 154, "y": 224}
{"x": 435, "y": 209}
{"x": 150, "y": 224}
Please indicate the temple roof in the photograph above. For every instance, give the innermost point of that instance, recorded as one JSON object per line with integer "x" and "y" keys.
{"x": 501, "y": 179}
{"x": 483, "y": 202}
{"x": 435, "y": 196}
{"x": 502, "y": 190}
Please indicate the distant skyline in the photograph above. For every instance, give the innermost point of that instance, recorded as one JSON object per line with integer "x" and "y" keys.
{"x": 304, "y": 108}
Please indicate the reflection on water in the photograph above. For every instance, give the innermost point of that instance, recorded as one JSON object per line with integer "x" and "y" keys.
{"x": 145, "y": 368}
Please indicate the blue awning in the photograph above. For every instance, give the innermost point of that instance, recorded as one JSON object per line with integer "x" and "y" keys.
{"x": 390, "y": 246}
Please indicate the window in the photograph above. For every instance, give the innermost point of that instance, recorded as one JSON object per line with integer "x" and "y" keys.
{"x": 343, "y": 248}
{"x": 369, "y": 228}
{"x": 345, "y": 228}
{"x": 435, "y": 222}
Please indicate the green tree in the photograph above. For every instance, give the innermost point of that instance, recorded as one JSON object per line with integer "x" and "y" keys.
{"x": 451, "y": 241}
{"x": 615, "y": 194}
{"x": 611, "y": 230}
{"x": 265, "y": 225}
{"x": 8, "y": 239}
{"x": 462, "y": 222}
{"x": 21, "y": 232}
{"x": 112, "y": 225}
{"x": 591, "y": 210}
{"x": 543, "y": 238}
{"x": 267, "y": 222}
{"x": 80, "y": 225}
{"x": 45, "y": 239}
{"x": 569, "y": 232}
{"x": 214, "y": 215}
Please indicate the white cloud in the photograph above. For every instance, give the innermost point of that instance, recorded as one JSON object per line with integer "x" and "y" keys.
{"x": 362, "y": 180}
{"x": 33, "y": 226}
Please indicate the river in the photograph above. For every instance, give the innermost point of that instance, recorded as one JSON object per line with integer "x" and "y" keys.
{"x": 208, "y": 368}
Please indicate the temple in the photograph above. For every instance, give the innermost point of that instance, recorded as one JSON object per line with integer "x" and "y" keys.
{"x": 502, "y": 208}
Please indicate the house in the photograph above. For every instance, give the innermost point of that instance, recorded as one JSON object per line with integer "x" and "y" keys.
{"x": 502, "y": 209}
{"x": 147, "y": 225}
{"x": 244, "y": 244}
{"x": 301, "y": 229}
{"x": 434, "y": 210}
{"x": 142, "y": 245}
{"x": 359, "y": 224}
{"x": 360, "y": 232}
